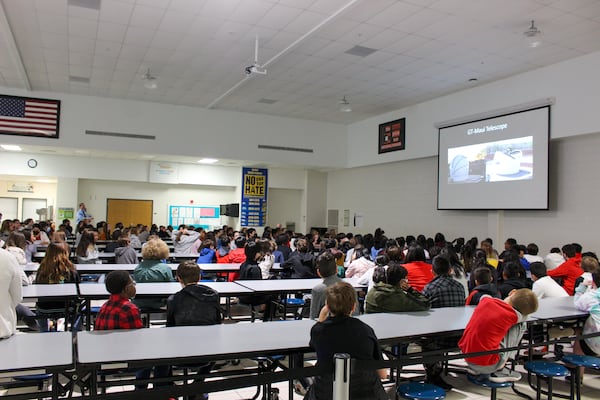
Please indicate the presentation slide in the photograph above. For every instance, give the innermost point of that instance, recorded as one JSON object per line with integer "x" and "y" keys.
{"x": 496, "y": 163}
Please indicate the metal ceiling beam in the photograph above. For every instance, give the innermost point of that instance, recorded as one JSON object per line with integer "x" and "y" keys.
{"x": 13, "y": 49}
{"x": 284, "y": 51}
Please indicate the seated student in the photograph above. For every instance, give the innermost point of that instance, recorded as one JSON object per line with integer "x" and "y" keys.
{"x": 479, "y": 260}
{"x": 222, "y": 253}
{"x": 543, "y": 285}
{"x": 330, "y": 335}
{"x": 10, "y": 293}
{"x": 532, "y": 253}
{"x": 119, "y": 312}
{"x": 193, "y": 305}
{"x": 249, "y": 270}
{"x": 361, "y": 263}
{"x": 587, "y": 298}
{"x": 419, "y": 272}
{"x": 569, "y": 270}
{"x": 484, "y": 286}
{"x": 497, "y": 324}
{"x": 301, "y": 263}
{"x": 394, "y": 293}
{"x": 514, "y": 278}
{"x": 152, "y": 269}
{"x": 554, "y": 258}
{"x": 381, "y": 261}
{"x": 125, "y": 253}
{"x": 589, "y": 264}
{"x": 442, "y": 291}
{"x": 86, "y": 251}
{"x": 207, "y": 252}
{"x": 522, "y": 251}
{"x": 326, "y": 269}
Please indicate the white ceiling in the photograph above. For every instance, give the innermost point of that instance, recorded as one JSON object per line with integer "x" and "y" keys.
{"x": 199, "y": 48}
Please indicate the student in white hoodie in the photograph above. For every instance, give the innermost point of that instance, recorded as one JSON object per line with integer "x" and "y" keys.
{"x": 10, "y": 293}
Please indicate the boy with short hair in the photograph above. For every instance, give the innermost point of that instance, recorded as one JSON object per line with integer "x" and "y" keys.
{"x": 194, "y": 304}
{"x": 543, "y": 285}
{"x": 330, "y": 335}
{"x": 497, "y": 324}
{"x": 326, "y": 269}
{"x": 119, "y": 312}
{"x": 484, "y": 286}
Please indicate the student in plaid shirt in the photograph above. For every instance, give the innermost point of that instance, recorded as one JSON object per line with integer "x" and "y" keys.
{"x": 442, "y": 291}
{"x": 118, "y": 312}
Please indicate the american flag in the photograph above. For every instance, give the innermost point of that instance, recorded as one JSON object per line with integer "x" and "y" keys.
{"x": 29, "y": 117}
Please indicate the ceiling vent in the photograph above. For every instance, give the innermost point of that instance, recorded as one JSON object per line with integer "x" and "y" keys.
{"x": 267, "y": 101}
{"x": 78, "y": 79}
{"x": 91, "y": 4}
{"x": 283, "y": 148}
{"x": 121, "y": 135}
{"x": 360, "y": 51}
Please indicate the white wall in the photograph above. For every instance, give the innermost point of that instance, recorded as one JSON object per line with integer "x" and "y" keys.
{"x": 189, "y": 131}
{"x": 574, "y": 84}
{"x": 41, "y": 190}
{"x": 93, "y": 180}
{"x": 401, "y": 198}
{"x": 283, "y": 206}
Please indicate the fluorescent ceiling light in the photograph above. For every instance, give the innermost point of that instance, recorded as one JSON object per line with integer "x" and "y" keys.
{"x": 208, "y": 161}
{"x": 11, "y": 147}
{"x": 147, "y": 156}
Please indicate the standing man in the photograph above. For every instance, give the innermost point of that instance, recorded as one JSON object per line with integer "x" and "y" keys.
{"x": 82, "y": 215}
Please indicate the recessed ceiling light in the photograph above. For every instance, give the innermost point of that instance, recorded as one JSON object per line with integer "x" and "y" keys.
{"x": 208, "y": 161}
{"x": 11, "y": 147}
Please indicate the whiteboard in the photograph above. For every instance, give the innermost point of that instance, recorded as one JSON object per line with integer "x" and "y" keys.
{"x": 9, "y": 207}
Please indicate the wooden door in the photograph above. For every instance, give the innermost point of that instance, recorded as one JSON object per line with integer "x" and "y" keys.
{"x": 129, "y": 212}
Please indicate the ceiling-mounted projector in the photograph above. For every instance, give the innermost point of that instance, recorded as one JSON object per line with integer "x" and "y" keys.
{"x": 255, "y": 69}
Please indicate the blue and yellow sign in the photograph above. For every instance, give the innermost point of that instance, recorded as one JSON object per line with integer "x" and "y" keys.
{"x": 254, "y": 197}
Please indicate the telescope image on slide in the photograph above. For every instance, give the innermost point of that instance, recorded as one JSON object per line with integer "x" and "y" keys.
{"x": 505, "y": 160}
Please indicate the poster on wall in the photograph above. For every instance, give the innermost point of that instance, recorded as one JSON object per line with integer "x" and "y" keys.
{"x": 204, "y": 217}
{"x": 254, "y": 197}
{"x": 163, "y": 172}
{"x": 392, "y": 135}
{"x": 26, "y": 116}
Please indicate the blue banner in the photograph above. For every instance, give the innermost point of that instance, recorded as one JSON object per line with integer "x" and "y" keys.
{"x": 254, "y": 197}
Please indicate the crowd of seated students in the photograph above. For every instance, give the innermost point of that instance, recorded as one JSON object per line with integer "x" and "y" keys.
{"x": 401, "y": 274}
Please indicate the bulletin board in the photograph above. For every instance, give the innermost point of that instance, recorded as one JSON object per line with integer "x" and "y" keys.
{"x": 197, "y": 216}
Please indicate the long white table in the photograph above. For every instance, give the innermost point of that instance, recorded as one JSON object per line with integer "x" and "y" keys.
{"x": 557, "y": 309}
{"x": 62, "y": 291}
{"x": 36, "y": 350}
{"x": 390, "y": 326}
{"x": 289, "y": 285}
{"x": 162, "y": 289}
{"x": 187, "y": 342}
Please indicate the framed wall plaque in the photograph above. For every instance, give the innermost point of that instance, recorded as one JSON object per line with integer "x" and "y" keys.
{"x": 391, "y": 136}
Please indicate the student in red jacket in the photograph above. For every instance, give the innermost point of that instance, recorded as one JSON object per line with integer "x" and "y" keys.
{"x": 497, "y": 324}
{"x": 420, "y": 273}
{"x": 570, "y": 270}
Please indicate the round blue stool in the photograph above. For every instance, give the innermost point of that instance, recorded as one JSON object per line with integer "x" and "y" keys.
{"x": 494, "y": 386}
{"x": 578, "y": 360}
{"x": 547, "y": 370}
{"x": 421, "y": 391}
